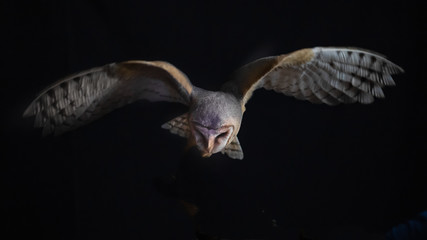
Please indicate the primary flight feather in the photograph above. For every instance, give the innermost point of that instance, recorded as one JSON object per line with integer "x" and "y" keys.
{"x": 328, "y": 75}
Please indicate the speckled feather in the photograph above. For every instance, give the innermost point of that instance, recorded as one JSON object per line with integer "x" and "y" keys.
{"x": 86, "y": 96}
{"x": 179, "y": 126}
{"x": 319, "y": 75}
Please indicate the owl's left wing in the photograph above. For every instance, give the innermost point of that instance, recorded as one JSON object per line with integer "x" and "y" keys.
{"x": 320, "y": 75}
{"x": 86, "y": 96}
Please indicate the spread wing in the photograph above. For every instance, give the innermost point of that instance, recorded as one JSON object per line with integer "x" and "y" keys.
{"x": 320, "y": 75}
{"x": 86, "y": 96}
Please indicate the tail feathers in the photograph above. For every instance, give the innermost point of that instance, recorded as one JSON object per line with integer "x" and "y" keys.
{"x": 179, "y": 126}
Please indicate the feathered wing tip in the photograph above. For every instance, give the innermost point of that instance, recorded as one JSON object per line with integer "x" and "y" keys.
{"x": 362, "y": 58}
{"x": 355, "y": 75}
{"x": 178, "y": 125}
{"x": 71, "y": 102}
{"x": 331, "y": 75}
{"x": 234, "y": 150}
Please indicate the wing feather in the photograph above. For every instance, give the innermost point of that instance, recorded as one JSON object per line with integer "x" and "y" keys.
{"x": 320, "y": 75}
{"x": 81, "y": 98}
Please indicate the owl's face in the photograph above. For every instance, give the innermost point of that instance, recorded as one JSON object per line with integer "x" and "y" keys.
{"x": 214, "y": 121}
{"x": 210, "y": 140}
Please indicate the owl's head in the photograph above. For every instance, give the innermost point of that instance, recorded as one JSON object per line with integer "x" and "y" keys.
{"x": 210, "y": 140}
{"x": 214, "y": 121}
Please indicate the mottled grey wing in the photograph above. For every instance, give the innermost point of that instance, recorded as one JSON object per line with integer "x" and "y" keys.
{"x": 320, "y": 75}
{"x": 86, "y": 96}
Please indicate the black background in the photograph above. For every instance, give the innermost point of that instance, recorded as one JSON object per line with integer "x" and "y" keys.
{"x": 343, "y": 172}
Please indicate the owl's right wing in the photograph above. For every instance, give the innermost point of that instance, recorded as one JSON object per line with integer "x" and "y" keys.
{"x": 86, "y": 96}
{"x": 328, "y": 75}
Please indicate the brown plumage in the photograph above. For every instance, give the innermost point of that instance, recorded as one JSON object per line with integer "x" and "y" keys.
{"x": 319, "y": 75}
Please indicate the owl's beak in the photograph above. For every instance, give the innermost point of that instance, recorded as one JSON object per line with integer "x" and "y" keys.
{"x": 211, "y": 143}
{"x": 209, "y": 147}
{"x": 206, "y": 154}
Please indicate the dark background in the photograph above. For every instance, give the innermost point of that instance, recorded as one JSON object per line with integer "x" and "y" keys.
{"x": 350, "y": 171}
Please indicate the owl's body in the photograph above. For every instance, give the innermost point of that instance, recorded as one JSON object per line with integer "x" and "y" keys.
{"x": 319, "y": 75}
{"x": 213, "y": 121}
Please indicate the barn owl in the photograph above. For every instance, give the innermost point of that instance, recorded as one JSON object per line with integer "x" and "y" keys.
{"x": 327, "y": 75}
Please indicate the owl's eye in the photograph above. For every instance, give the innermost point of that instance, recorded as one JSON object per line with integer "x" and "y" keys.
{"x": 201, "y": 136}
{"x": 224, "y": 134}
